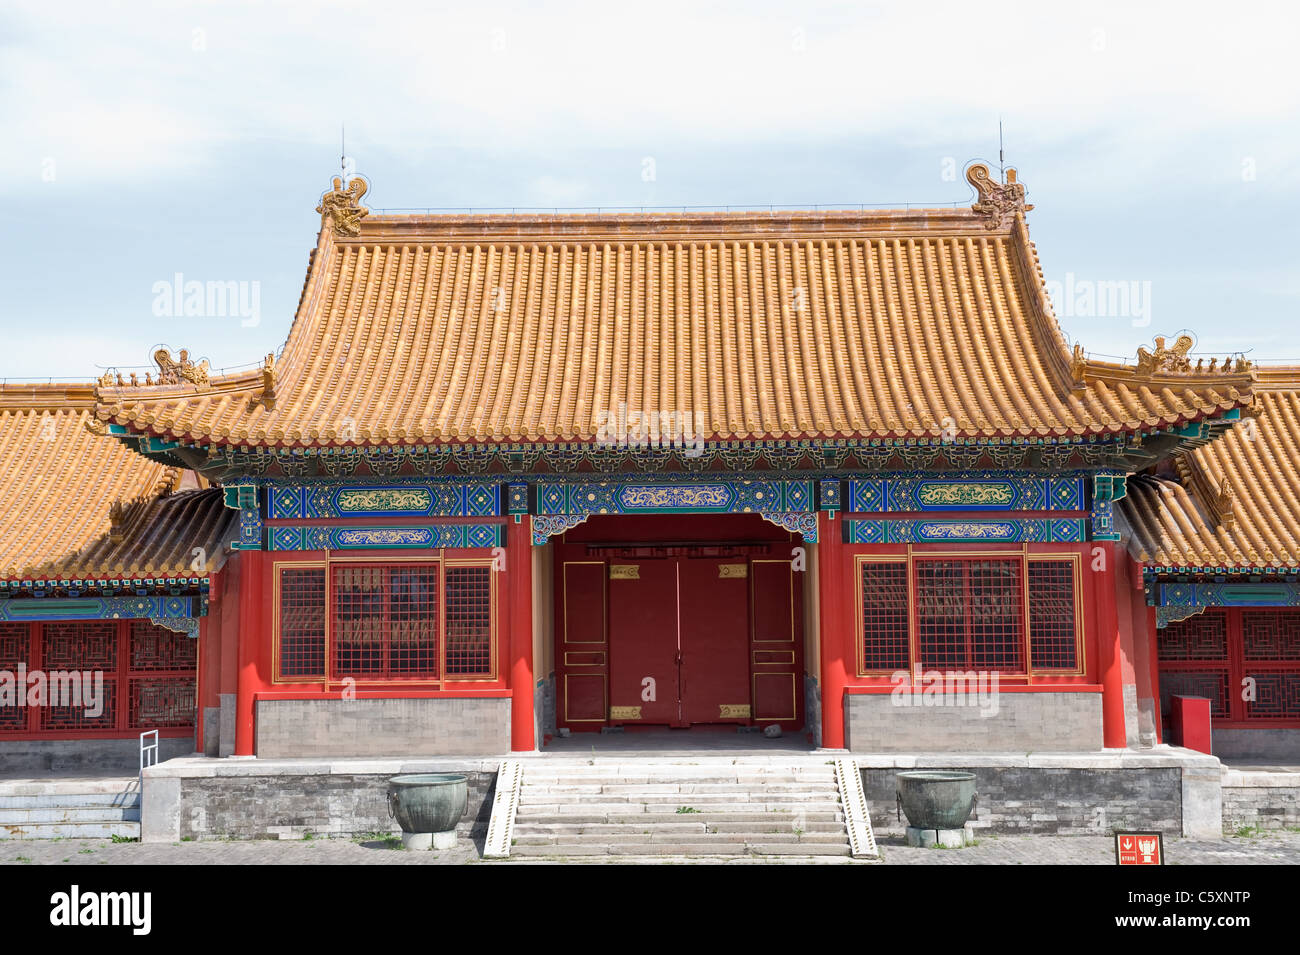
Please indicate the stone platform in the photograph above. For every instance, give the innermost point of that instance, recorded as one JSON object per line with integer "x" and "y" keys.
{"x": 1177, "y": 791}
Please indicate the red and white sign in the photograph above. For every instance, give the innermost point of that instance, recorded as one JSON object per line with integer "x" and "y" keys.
{"x": 1139, "y": 848}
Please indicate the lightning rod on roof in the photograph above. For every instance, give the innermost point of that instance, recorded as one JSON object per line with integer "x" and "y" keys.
{"x": 1002, "y": 166}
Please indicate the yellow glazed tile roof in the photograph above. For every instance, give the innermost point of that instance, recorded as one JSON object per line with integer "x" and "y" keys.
{"x": 520, "y": 328}
{"x": 74, "y": 504}
{"x": 1238, "y": 503}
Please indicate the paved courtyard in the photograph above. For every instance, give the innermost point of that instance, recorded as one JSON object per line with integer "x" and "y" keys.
{"x": 1265, "y": 848}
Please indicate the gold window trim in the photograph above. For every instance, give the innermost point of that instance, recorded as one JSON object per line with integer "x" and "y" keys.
{"x": 911, "y": 557}
{"x": 441, "y": 562}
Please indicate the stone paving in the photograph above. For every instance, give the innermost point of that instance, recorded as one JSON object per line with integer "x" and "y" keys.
{"x": 1263, "y": 848}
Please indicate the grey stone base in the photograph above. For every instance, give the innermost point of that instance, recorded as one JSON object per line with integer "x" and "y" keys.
{"x": 1260, "y": 743}
{"x": 83, "y": 757}
{"x": 1016, "y": 722}
{"x": 428, "y": 727}
{"x": 1171, "y": 790}
{"x": 292, "y": 799}
{"x": 944, "y": 838}
{"x": 1260, "y": 800}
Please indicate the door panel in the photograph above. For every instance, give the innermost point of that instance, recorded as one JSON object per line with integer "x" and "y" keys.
{"x": 776, "y": 651}
{"x": 580, "y": 641}
{"x": 643, "y": 642}
{"x": 714, "y": 624}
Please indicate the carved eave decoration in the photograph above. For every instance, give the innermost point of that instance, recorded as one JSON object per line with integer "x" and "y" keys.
{"x": 341, "y": 209}
{"x": 999, "y": 202}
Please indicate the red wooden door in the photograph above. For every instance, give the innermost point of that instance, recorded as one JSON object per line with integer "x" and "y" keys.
{"x": 643, "y": 648}
{"x": 776, "y": 651}
{"x": 714, "y": 617}
{"x": 582, "y": 649}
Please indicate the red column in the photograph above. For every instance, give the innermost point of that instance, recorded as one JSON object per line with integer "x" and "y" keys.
{"x": 519, "y": 583}
{"x": 250, "y": 637}
{"x": 1109, "y": 652}
{"x": 834, "y": 633}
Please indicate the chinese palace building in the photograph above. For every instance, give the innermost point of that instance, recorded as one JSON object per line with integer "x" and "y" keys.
{"x": 513, "y": 477}
{"x": 106, "y": 563}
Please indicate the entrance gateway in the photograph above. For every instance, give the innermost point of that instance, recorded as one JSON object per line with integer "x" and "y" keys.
{"x": 673, "y": 632}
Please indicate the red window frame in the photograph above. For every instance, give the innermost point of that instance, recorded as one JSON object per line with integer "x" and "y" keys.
{"x": 1213, "y": 652}
{"x": 309, "y": 626}
{"x": 147, "y": 669}
{"x": 1024, "y": 633}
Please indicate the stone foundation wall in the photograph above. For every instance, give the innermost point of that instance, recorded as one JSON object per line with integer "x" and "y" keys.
{"x": 1262, "y": 743}
{"x": 1260, "y": 800}
{"x": 248, "y": 801}
{"x": 443, "y": 726}
{"x": 1023, "y": 722}
{"x": 1169, "y": 789}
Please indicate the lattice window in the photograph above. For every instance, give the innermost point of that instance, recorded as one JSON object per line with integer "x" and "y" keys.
{"x": 970, "y": 614}
{"x": 1202, "y": 638}
{"x": 1194, "y": 660}
{"x": 1053, "y": 638}
{"x": 157, "y": 648}
{"x": 384, "y": 623}
{"x": 1272, "y": 635}
{"x": 163, "y": 666}
{"x": 884, "y": 615}
{"x": 301, "y": 635}
{"x": 15, "y": 649}
{"x": 1212, "y": 684}
{"x": 469, "y": 621}
{"x": 1277, "y": 694}
{"x": 90, "y": 651}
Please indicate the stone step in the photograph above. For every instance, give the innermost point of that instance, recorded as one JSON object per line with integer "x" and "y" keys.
{"x": 683, "y": 849}
{"x": 81, "y": 830}
{"x": 69, "y": 784}
{"x": 68, "y": 814}
{"x": 634, "y": 789}
{"x": 529, "y": 815}
{"x": 551, "y": 827}
{"x": 641, "y": 774}
{"x": 60, "y": 800}
{"x": 675, "y": 799}
{"x": 696, "y": 838}
{"x": 570, "y": 810}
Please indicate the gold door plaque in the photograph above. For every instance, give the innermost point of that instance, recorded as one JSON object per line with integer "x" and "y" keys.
{"x": 732, "y": 571}
{"x": 625, "y": 712}
{"x": 733, "y": 711}
{"x": 624, "y": 571}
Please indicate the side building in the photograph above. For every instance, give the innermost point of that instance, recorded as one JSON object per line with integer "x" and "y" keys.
{"x": 1217, "y": 531}
{"x": 107, "y": 562}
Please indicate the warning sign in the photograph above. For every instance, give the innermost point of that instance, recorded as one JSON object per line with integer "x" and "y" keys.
{"x": 1139, "y": 848}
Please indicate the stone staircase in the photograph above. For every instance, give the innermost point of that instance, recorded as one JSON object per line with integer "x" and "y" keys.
{"x": 653, "y": 807}
{"x": 70, "y": 808}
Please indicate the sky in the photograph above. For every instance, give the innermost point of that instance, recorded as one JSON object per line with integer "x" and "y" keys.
{"x": 149, "y": 146}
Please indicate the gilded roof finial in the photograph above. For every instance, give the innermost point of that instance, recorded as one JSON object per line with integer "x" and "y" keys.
{"x": 1167, "y": 360}
{"x": 999, "y": 201}
{"x": 171, "y": 371}
{"x": 341, "y": 207}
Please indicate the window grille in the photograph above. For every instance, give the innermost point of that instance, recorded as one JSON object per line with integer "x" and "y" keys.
{"x": 301, "y": 640}
{"x": 884, "y": 615}
{"x": 970, "y": 614}
{"x": 384, "y": 622}
{"x": 1053, "y": 638}
{"x": 469, "y": 621}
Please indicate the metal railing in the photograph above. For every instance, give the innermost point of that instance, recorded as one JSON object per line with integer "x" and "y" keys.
{"x": 148, "y": 752}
